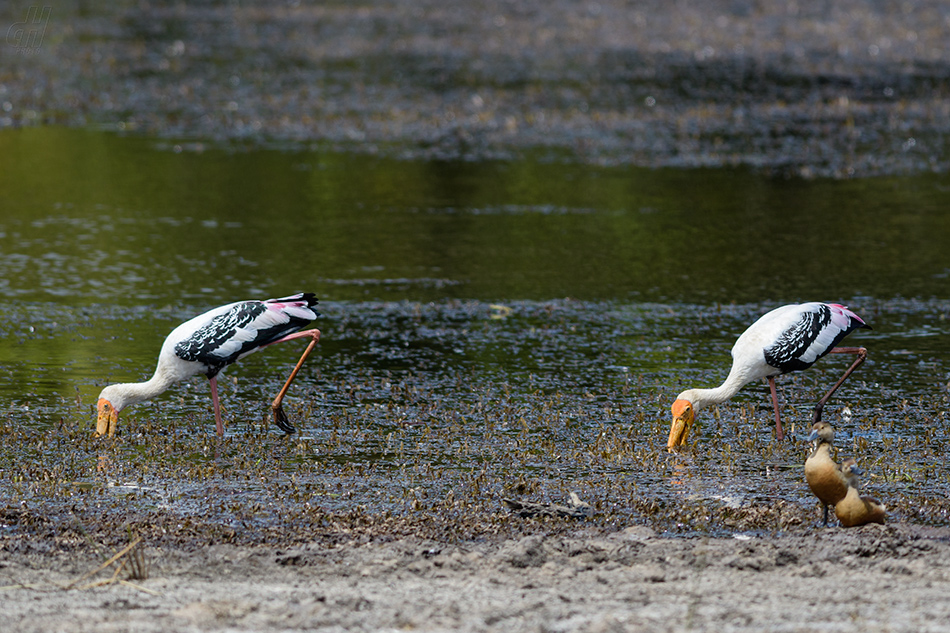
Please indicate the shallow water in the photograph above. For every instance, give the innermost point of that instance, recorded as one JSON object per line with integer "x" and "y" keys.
{"x": 488, "y": 328}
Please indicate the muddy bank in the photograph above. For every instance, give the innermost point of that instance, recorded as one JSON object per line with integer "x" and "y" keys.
{"x": 839, "y": 89}
{"x": 875, "y": 578}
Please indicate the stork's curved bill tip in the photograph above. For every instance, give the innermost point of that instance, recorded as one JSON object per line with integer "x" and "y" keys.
{"x": 683, "y": 417}
{"x": 108, "y": 418}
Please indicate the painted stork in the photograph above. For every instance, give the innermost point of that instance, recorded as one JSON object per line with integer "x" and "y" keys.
{"x": 210, "y": 342}
{"x": 789, "y": 338}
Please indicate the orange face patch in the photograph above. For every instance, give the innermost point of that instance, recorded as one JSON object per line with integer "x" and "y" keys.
{"x": 681, "y": 408}
{"x": 108, "y": 418}
{"x": 682, "y": 422}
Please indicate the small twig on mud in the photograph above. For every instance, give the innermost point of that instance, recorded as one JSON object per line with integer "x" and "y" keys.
{"x": 125, "y": 550}
{"x": 575, "y": 508}
{"x": 101, "y": 583}
{"x": 138, "y": 566}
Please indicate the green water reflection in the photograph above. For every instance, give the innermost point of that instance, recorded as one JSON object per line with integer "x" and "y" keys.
{"x": 93, "y": 217}
{"x": 107, "y": 242}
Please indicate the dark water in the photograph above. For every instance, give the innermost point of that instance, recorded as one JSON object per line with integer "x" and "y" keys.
{"x": 98, "y": 229}
{"x": 462, "y": 296}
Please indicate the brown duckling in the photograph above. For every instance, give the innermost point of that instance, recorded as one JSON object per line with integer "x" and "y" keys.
{"x": 823, "y": 475}
{"x": 854, "y": 509}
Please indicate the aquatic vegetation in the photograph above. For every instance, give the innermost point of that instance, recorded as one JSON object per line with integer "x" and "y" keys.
{"x": 404, "y": 442}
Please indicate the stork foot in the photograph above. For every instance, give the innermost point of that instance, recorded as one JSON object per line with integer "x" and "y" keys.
{"x": 282, "y": 421}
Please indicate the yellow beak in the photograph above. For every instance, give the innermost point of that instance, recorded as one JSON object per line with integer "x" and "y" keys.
{"x": 683, "y": 418}
{"x": 108, "y": 418}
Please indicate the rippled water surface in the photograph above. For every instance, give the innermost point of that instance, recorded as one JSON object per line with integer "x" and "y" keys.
{"x": 535, "y": 317}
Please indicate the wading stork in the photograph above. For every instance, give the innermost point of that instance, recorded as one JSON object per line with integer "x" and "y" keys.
{"x": 210, "y": 342}
{"x": 789, "y": 338}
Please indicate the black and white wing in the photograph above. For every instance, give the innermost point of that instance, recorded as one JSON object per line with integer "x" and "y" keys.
{"x": 234, "y": 331}
{"x": 809, "y": 334}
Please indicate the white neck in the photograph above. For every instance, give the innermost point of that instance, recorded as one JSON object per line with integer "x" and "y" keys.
{"x": 124, "y": 394}
{"x": 701, "y": 398}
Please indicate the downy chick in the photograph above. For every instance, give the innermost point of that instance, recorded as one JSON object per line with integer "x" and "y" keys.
{"x": 822, "y": 473}
{"x": 854, "y": 509}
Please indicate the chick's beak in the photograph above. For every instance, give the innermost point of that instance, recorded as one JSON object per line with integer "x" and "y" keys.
{"x": 108, "y": 418}
{"x": 683, "y": 418}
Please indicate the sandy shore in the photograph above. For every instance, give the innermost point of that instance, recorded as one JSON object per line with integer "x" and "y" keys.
{"x": 894, "y": 578}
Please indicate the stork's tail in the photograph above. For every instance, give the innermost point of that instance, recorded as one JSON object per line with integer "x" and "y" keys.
{"x": 301, "y": 305}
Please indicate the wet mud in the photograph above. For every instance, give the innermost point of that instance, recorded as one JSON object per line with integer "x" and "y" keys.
{"x": 867, "y": 579}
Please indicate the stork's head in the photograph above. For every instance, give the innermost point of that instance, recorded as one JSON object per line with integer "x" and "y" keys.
{"x": 109, "y": 406}
{"x": 684, "y": 414}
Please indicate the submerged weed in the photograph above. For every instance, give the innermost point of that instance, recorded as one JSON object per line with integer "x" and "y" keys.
{"x": 419, "y": 448}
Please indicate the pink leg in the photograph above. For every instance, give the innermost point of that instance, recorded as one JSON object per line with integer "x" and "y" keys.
{"x": 217, "y": 406}
{"x": 280, "y": 418}
{"x": 862, "y": 354}
{"x": 779, "y": 434}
